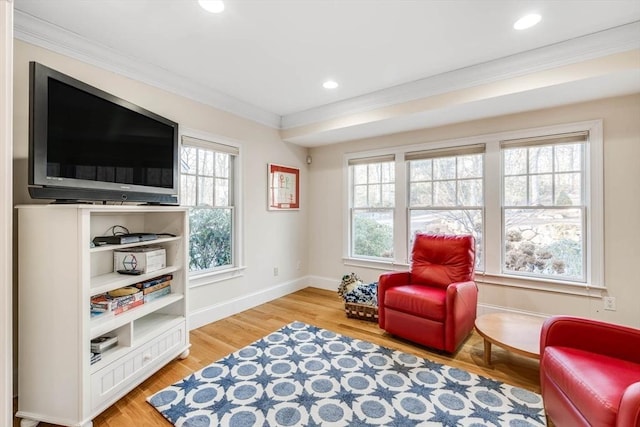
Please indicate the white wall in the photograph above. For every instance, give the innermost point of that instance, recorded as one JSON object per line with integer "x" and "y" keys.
{"x": 6, "y": 211}
{"x": 271, "y": 239}
{"x": 621, "y": 117}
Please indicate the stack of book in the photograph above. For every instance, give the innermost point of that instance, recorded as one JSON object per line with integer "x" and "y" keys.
{"x": 123, "y": 299}
{"x": 117, "y": 301}
{"x": 155, "y": 288}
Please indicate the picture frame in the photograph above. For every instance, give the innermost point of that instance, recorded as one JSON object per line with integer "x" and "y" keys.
{"x": 283, "y": 187}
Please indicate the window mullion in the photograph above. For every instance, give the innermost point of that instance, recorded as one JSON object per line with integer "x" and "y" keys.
{"x": 493, "y": 212}
{"x": 197, "y": 198}
{"x": 554, "y": 173}
{"x": 400, "y": 217}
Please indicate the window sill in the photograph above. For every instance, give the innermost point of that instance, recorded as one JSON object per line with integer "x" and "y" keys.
{"x": 560, "y": 287}
{"x": 375, "y": 264}
{"x": 570, "y": 288}
{"x": 210, "y": 277}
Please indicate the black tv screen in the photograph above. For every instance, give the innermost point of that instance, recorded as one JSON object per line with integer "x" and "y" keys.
{"x": 86, "y": 144}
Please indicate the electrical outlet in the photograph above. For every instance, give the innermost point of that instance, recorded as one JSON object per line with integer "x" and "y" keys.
{"x": 275, "y": 271}
{"x": 609, "y": 303}
{"x": 298, "y": 265}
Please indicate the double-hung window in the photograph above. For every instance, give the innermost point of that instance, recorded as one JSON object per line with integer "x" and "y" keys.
{"x": 372, "y": 207}
{"x": 446, "y": 193}
{"x": 544, "y": 206}
{"x": 207, "y": 188}
{"x": 531, "y": 198}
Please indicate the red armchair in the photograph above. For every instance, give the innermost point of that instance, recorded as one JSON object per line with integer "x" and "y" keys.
{"x": 433, "y": 304}
{"x": 590, "y": 373}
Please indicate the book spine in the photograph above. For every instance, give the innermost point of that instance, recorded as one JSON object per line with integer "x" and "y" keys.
{"x": 120, "y": 310}
{"x": 153, "y": 282}
{"x": 101, "y": 303}
{"x": 126, "y": 300}
{"x": 157, "y": 287}
{"x": 157, "y": 294}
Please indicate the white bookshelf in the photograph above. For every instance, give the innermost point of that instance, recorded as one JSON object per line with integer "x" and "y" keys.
{"x": 58, "y": 273}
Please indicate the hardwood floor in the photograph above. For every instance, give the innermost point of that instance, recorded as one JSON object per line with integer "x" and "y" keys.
{"x": 314, "y": 306}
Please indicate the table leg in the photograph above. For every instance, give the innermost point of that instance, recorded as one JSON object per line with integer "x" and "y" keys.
{"x": 487, "y": 352}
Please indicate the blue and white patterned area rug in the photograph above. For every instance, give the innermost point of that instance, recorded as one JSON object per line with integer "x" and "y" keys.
{"x": 302, "y": 375}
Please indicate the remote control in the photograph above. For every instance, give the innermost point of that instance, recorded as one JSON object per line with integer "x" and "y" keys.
{"x": 131, "y": 272}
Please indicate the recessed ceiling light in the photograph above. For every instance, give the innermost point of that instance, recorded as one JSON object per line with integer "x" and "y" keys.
{"x": 527, "y": 21}
{"x": 213, "y": 6}
{"x": 330, "y": 84}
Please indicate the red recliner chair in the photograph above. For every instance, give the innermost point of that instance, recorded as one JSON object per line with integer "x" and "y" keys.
{"x": 590, "y": 373}
{"x": 435, "y": 303}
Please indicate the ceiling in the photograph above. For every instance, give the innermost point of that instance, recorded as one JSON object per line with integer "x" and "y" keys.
{"x": 400, "y": 64}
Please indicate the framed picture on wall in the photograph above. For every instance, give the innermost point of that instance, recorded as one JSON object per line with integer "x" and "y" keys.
{"x": 283, "y": 187}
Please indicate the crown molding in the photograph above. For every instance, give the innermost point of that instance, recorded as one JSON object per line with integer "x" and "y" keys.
{"x": 41, "y": 33}
{"x": 46, "y": 35}
{"x": 603, "y": 43}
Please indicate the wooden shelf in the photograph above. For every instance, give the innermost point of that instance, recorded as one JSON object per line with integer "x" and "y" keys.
{"x": 108, "y": 322}
{"x": 108, "y": 282}
{"x": 159, "y": 241}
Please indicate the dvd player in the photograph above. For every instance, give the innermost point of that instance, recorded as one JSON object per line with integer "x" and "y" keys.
{"x": 122, "y": 239}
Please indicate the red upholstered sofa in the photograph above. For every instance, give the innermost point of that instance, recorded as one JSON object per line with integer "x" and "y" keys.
{"x": 435, "y": 303}
{"x": 590, "y": 373}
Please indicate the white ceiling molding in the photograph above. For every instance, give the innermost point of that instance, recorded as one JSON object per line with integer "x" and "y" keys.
{"x": 554, "y": 96}
{"x": 43, "y": 34}
{"x": 600, "y": 44}
{"x": 604, "y": 43}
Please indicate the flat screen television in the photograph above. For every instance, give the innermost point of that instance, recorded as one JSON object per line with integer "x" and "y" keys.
{"x": 88, "y": 145}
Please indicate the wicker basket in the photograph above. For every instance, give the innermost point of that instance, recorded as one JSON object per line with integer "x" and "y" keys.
{"x": 361, "y": 311}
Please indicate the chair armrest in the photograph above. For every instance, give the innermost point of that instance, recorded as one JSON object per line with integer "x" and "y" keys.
{"x": 593, "y": 336}
{"x": 385, "y": 282}
{"x": 462, "y": 306}
{"x": 392, "y": 279}
{"x": 629, "y": 411}
{"x": 462, "y": 286}
{"x": 466, "y": 293}
{"x": 462, "y": 301}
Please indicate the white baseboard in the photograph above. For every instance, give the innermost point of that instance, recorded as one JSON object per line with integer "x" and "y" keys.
{"x": 327, "y": 283}
{"x": 219, "y": 311}
{"x": 331, "y": 284}
{"x": 488, "y": 308}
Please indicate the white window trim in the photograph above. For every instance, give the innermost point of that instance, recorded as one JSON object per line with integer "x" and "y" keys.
{"x": 199, "y": 278}
{"x": 594, "y": 193}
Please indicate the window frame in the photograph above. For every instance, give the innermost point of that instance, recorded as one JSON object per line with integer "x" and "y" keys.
{"x": 375, "y": 160}
{"x": 493, "y": 212}
{"x": 529, "y": 203}
{"x": 209, "y": 141}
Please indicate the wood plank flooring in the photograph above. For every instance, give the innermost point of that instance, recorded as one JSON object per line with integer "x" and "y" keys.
{"x": 314, "y": 306}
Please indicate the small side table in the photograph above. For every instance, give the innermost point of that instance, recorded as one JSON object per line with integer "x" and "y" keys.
{"x": 519, "y": 333}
